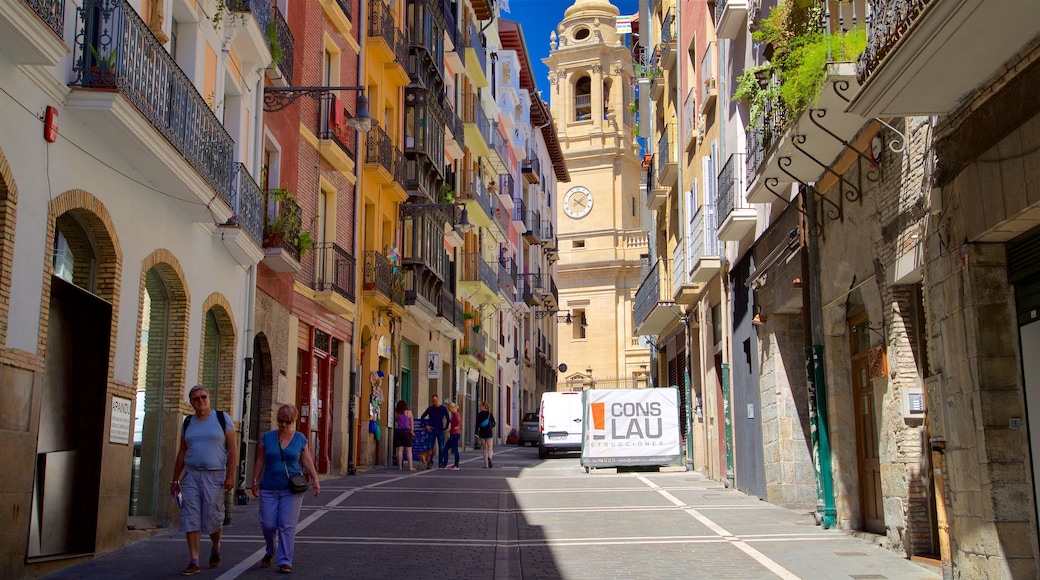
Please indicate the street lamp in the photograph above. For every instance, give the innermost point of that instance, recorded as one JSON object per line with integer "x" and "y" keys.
{"x": 278, "y": 98}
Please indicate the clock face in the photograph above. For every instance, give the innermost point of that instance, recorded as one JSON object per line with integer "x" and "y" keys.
{"x": 578, "y": 202}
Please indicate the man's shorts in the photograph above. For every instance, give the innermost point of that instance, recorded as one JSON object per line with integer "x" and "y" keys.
{"x": 202, "y": 507}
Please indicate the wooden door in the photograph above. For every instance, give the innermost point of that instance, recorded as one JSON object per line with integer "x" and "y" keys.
{"x": 867, "y": 436}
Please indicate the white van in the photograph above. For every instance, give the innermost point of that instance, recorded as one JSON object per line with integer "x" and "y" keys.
{"x": 559, "y": 421}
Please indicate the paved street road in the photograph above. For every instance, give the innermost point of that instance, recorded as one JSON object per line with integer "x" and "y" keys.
{"x": 527, "y": 518}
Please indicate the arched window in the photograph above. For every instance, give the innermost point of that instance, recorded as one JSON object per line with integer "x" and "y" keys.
{"x": 583, "y": 99}
{"x": 607, "y": 83}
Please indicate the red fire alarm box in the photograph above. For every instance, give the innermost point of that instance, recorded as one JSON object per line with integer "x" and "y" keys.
{"x": 50, "y": 125}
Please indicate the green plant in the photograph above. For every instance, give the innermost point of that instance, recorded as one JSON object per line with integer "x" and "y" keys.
{"x": 633, "y": 106}
{"x": 304, "y": 242}
{"x": 797, "y": 68}
{"x": 447, "y": 194}
{"x": 105, "y": 61}
{"x": 277, "y": 52}
{"x": 467, "y": 316}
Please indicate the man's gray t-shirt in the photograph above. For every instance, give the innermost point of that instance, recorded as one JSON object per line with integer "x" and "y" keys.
{"x": 207, "y": 446}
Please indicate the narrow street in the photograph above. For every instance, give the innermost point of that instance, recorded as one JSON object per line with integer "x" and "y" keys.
{"x": 527, "y": 518}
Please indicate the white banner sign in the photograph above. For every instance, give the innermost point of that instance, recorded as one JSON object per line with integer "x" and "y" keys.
{"x": 119, "y": 427}
{"x": 631, "y": 427}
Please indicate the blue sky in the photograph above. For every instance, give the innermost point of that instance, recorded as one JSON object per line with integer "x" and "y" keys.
{"x": 538, "y": 18}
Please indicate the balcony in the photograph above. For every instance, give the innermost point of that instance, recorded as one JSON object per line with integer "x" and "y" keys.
{"x": 457, "y": 53}
{"x": 689, "y": 130}
{"x": 507, "y": 278}
{"x": 656, "y": 192}
{"x": 533, "y": 223}
{"x": 477, "y": 199}
{"x": 450, "y": 321}
{"x": 152, "y": 112}
{"x": 519, "y": 213}
{"x": 668, "y": 155}
{"x": 476, "y": 125}
{"x": 247, "y": 201}
{"x": 788, "y": 151}
{"x": 382, "y": 33}
{"x": 476, "y": 56}
{"x": 282, "y": 234}
{"x": 911, "y": 44}
{"x": 703, "y": 255}
{"x": 531, "y": 169}
{"x": 709, "y": 80}
{"x": 531, "y": 289}
{"x": 655, "y": 310}
{"x": 473, "y": 349}
{"x": 455, "y": 128}
{"x": 730, "y": 18}
{"x": 478, "y": 281}
{"x": 381, "y": 285}
{"x": 32, "y": 31}
{"x": 499, "y": 154}
{"x": 282, "y": 50}
{"x": 334, "y": 277}
{"x": 737, "y": 217}
{"x": 337, "y": 139}
{"x": 668, "y": 40}
{"x": 484, "y": 9}
{"x": 381, "y": 162}
{"x": 250, "y": 44}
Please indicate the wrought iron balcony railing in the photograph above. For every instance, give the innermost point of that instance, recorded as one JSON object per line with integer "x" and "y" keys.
{"x": 381, "y": 23}
{"x": 115, "y": 49}
{"x": 649, "y": 293}
{"x": 282, "y": 225}
{"x": 345, "y": 7}
{"x": 476, "y": 269}
{"x": 451, "y": 309}
{"x": 380, "y": 276}
{"x": 531, "y": 288}
{"x": 668, "y": 27}
{"x": 475, "y": 41}
{"x": 519, "y": 209}
{"x": 731, "y": 191}
{"x": 334, "y": 270}
{"x": 260, "y": 9}
{"x": 454, "y": 124}
{"x": 379, "y": 149}
{"x": 52, "y": 12}
{"x": 248, "y": 203}
{"x": 703, "y": 241}
{"x": 333, "y": 124}
{"x": 283, "y": 36}
{"x": 473, "y": 188}
{"x": 531, "y": 168}
{"x": 667, "y": 149}
{"x": 474, "y": 113}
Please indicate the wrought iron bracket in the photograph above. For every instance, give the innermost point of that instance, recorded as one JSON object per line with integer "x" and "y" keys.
{"x": 874, "y": 173}
{"x": 278, "y": 98}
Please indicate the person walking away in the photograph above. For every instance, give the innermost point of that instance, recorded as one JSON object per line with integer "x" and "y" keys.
{"x": 281, "y": 454}
{"x": 486, "y": 432}
{"x": 403, "y": 434}
{"x": 438, "y": 422}
{"x": 455, "y": 433}
{"x": 201, "y": 475}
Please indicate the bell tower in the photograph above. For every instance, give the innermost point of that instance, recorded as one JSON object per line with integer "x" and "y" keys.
{"x": 600, "y": 216}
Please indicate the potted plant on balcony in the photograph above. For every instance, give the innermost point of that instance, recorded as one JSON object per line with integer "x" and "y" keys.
{"x": 103, "y": 67}
{"x": 467, "y": 318}
{"x": 286, "y": 224}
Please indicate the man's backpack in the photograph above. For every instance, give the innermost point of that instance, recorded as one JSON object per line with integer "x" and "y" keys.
{"x": 220, "y": 419}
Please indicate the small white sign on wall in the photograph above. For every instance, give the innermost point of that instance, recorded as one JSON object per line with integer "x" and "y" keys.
{"x": 119, "y": 428}
{"x": 433, "y": 365}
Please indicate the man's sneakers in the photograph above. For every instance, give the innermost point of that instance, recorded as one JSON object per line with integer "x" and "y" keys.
{"x": 191, "y": 570}
{"x": 454, "y": 468}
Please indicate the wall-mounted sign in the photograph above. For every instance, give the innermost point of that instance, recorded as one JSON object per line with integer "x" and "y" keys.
{"x": 383, "y": 347}
{"x": 119, "y": 428}
{"x": 433, "y": 365}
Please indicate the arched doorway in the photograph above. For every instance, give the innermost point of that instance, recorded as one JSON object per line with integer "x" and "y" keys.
{"x": 261, "y": 402}
{"x": 160, "y": 379}
{"x": 67, "y": 479}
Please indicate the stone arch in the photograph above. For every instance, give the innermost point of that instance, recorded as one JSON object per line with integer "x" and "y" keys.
{"x": 217, "y": 360}
{"x": 8, "y": 201}
{"x": 582, "y": 97}
{"x": 171, "y": 275}
{"x": 98, "y": 231}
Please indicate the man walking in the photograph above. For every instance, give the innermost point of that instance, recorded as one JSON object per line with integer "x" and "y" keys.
{"x": 201, "y": 475}
{"x": 438, "y": 422}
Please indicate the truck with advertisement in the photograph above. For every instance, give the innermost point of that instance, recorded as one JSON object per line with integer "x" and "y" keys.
{"x": 631, "y": 427}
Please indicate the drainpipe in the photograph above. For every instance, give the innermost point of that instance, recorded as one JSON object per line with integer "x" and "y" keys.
{"x": 825, "y": 510}
{"x": 688, "y": 389}
{"x": 352, "y": 429}
{"x": 247, "y": 387}
{"x": 729, "y": 426}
